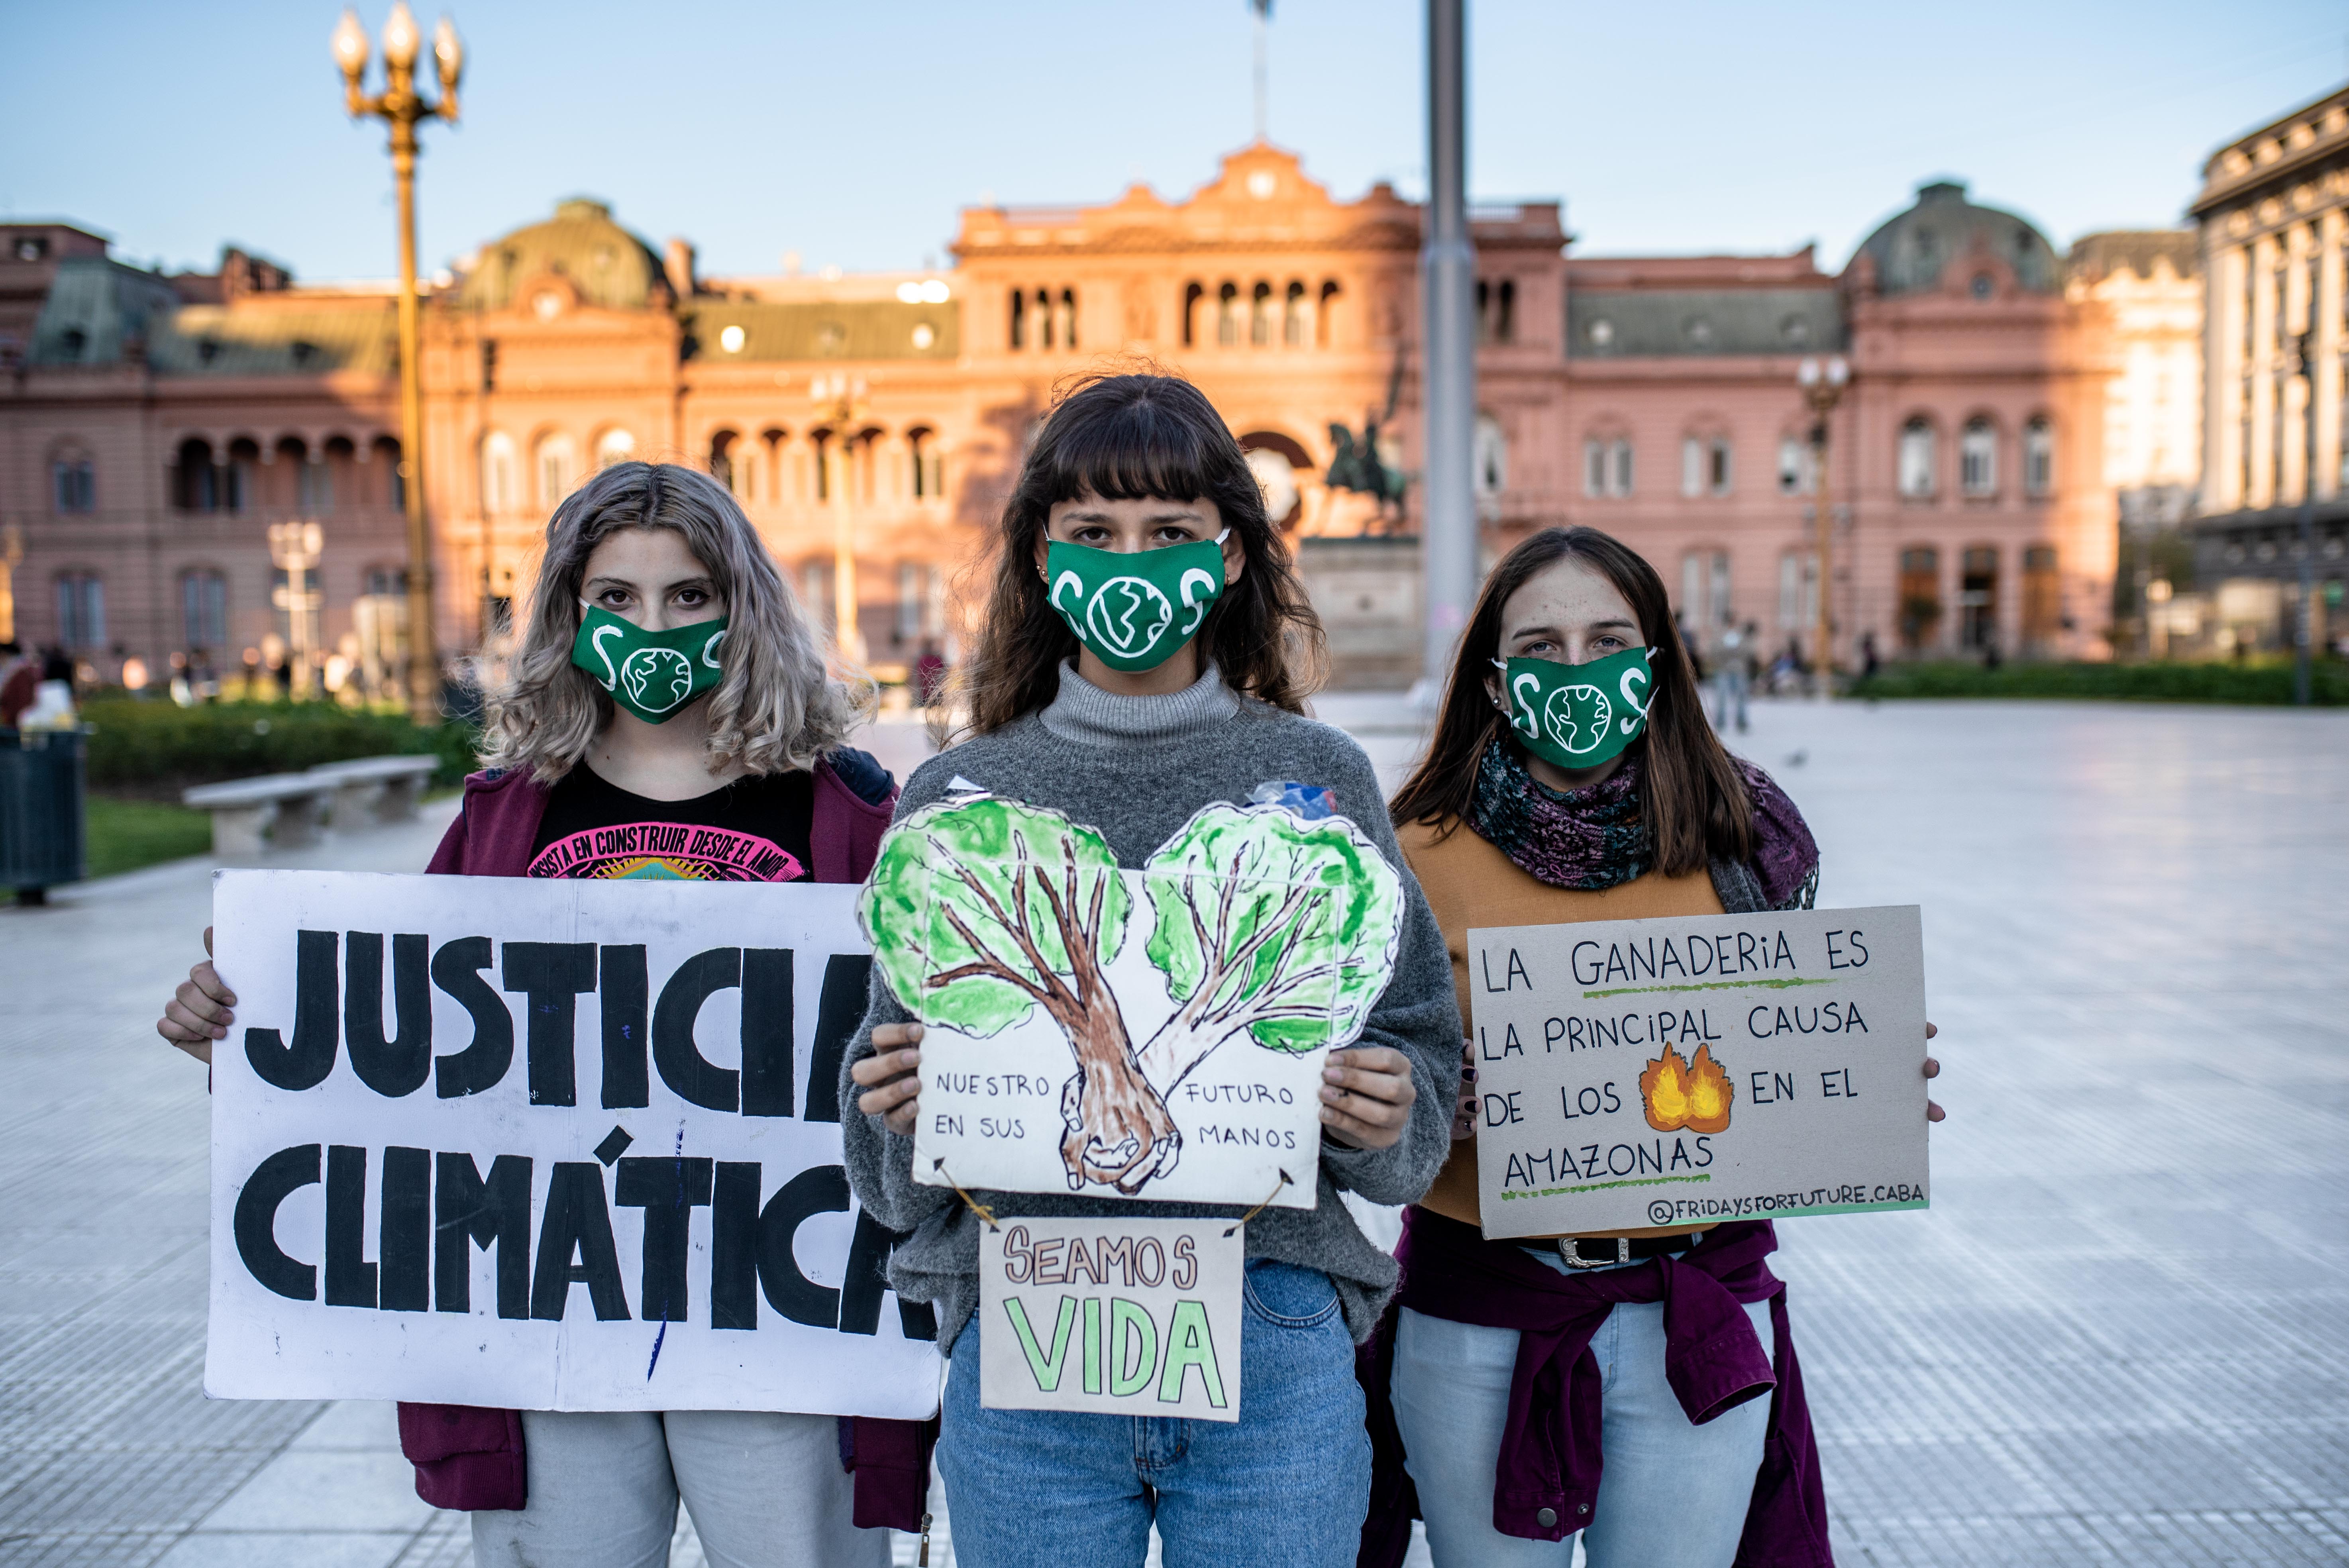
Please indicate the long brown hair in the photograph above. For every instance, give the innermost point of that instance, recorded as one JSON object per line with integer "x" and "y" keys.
{"x": 1693, "y": 799}
{"x": 1125, "y": 437}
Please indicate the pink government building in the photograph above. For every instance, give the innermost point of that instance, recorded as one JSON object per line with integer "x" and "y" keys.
{"x": 155, "y": 425}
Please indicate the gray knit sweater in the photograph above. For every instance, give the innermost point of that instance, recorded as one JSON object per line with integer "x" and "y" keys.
{"x": 1137, "y": 769}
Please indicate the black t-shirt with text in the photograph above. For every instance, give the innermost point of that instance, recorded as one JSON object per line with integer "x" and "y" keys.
{"x": 755, "y": 829}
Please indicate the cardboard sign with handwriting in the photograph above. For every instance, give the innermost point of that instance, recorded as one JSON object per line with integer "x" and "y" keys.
{"x": 1692, "y": 1070}
{"x": 1112, "y": 1317}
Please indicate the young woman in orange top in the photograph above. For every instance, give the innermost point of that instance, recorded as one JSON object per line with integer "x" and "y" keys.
{"x": 1515, "y": 1369}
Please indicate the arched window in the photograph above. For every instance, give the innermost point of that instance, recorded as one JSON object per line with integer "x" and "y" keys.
{"x": 1019, "y": 318}
{"x": 1227, "y": 317}
{"x": 723, "y": 447}
{"x": 241, "y": 475}
{"x": 1978, "y": 458}
{"x": 1916, "y": 466}
{"x": 195, "y": 478}
{"x": 81, "y": 609}
{"x": 1921, "y": 595}
{"x": 1794, "y": 476}
{"x": 1066, "y": 319}
{"x": 614, "y": 445}
{"x": 1296, "y": 320}
{"x": 1192, "y": 294}
{"x": 386, "y": 451}
{"x": 1322, "y": 318}
{"x": 498, "y": 493}
{"x": 2043, "y": 598}
{"x": 1704, "y": 590}
{"x": 924, "y": 464}
{"x": 1978, "y": 597}
{"x": 73, "y": 481}
{"x": 203, "y": 612}
{"x": 1618, "y": 464}
{"x": 558, "y": 465}
{"x": 1497, "y": 311}
{"x": 1492, "y": 458}
{"x": 2039, "y": 456}
{"x": 1260, "y": 317}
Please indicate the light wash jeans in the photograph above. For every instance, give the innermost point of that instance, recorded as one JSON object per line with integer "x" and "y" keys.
{"x": 766, "y": 1491}
{"x": 1286, "y": 1486}
{"x": 1673, "y": 1494}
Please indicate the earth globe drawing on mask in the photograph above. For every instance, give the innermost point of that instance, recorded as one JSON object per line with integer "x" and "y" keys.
{"x": 1577, "y": 717}
{"x": 1128, "y": 614}
{"x": 658, "y": 678}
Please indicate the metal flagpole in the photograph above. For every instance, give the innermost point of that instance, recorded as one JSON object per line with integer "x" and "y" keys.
{"x": 1449, "y": 546}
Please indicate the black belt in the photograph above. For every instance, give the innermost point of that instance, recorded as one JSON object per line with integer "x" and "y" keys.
{"x": 1611, "y": 1252}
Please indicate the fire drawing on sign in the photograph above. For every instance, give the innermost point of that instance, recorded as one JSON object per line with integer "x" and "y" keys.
{"x": 1692, "y": 1094}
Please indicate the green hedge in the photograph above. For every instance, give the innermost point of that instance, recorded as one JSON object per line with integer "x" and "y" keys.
{"x": 158, "y": 747}
{"x": 2264, "y": 683}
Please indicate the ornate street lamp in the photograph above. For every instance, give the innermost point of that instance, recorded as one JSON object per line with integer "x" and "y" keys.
{"x": 1823, "y": 382}
{"x": 840, "y": 400}
{"x": 401, "y": 107}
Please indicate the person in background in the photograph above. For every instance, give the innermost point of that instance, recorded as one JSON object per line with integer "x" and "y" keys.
{"x": 18, "y": 677}
{"x": 929, "y": 675}
{"x": 53, "y": 699}
{"x": 1668, "y": 1437}
{"x": 1868, "y": 663}
{"x": 657, "y": 556}
{"x": 1734, "y": 677}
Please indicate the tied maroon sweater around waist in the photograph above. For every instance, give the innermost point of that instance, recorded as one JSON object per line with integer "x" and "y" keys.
{"x": 1550, "y": 1458}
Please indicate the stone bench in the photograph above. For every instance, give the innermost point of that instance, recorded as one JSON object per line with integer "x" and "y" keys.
{"x": 288, "y": 805}
{"x": 289, "y": 808}
{"x": 375, "y": 788}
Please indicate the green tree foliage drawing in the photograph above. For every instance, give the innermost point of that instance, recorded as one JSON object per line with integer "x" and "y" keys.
{"x": 1270, "y": 925}
{"x": 982, "y": 910}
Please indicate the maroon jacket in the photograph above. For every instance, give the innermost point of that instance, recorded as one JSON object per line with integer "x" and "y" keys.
{"x": 469, "y": 1458}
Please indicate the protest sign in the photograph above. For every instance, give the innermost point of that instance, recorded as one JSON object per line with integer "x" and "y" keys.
{"x": 1688, "y": 1071}
{"x": 1157, "y": 1034}
{"x": 546, "y": 1144}
{"x": 1112, "y": 1317}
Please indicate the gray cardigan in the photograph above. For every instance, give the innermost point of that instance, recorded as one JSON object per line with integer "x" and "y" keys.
{"x": 1137, "y": 769}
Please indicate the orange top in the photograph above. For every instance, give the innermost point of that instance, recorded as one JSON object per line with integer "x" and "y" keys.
{"x": 1470, "y": 884}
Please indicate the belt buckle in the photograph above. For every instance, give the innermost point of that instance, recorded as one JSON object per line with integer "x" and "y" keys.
{"x": 1567, "y": 1255}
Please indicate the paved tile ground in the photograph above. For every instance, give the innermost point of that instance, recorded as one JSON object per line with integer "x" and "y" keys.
{"x": 2108, "y": 1341}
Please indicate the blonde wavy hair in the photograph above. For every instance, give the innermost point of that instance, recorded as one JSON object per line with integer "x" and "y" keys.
{"x": 775, "y": 710}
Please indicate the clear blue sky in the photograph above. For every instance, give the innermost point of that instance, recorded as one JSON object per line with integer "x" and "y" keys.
{"x": 852, "y": 133}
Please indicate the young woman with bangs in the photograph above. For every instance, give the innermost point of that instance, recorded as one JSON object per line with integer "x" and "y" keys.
{"x": 1137, "y": 475}
{"x": 1638, "y": 1389}
{"x": 741, "y": 733}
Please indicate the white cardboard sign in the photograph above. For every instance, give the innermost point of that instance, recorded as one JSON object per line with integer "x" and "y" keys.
{"x": 1688, "y": 1071}
{"x": 1112, "y": 1317}
{"x": 567, "y": 1145}
{"x": 1155, "y": 1034}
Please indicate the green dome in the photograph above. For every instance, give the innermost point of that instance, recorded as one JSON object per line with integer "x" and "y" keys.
{"x": 608, "y": 265}
{"x": 1912, "y": 250}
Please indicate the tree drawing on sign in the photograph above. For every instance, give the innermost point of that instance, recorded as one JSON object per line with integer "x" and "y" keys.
{"x": 1268, "y": 925}
{"x": 983, "y": 911}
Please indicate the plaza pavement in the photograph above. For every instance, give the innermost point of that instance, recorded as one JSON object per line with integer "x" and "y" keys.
{"x": 2110, "y": 1341}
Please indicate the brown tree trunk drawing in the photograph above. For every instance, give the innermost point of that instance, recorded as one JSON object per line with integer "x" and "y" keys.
{"x": 1119, "y": 1131}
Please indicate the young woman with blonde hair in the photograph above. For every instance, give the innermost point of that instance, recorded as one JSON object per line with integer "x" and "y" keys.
{"x": 1136, "y": 477}
{"x": 666, "y": 677}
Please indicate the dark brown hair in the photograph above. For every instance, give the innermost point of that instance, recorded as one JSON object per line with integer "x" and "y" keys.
{"x": 1125, "y": 437}
{"x": 1693, "y": 799}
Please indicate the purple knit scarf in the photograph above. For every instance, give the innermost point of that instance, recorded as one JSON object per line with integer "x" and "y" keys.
{"x": 1594, "y": 838}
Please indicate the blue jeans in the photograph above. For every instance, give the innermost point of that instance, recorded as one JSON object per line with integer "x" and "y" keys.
{"x": 1286, "y": 1486}
{"x": 1673, "y": 1494}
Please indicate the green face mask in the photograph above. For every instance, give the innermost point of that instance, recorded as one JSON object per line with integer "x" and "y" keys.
{"x": 1134, "y": 612}
{"x": 1577, "y": 716}
{"x": 653, "y": 674}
